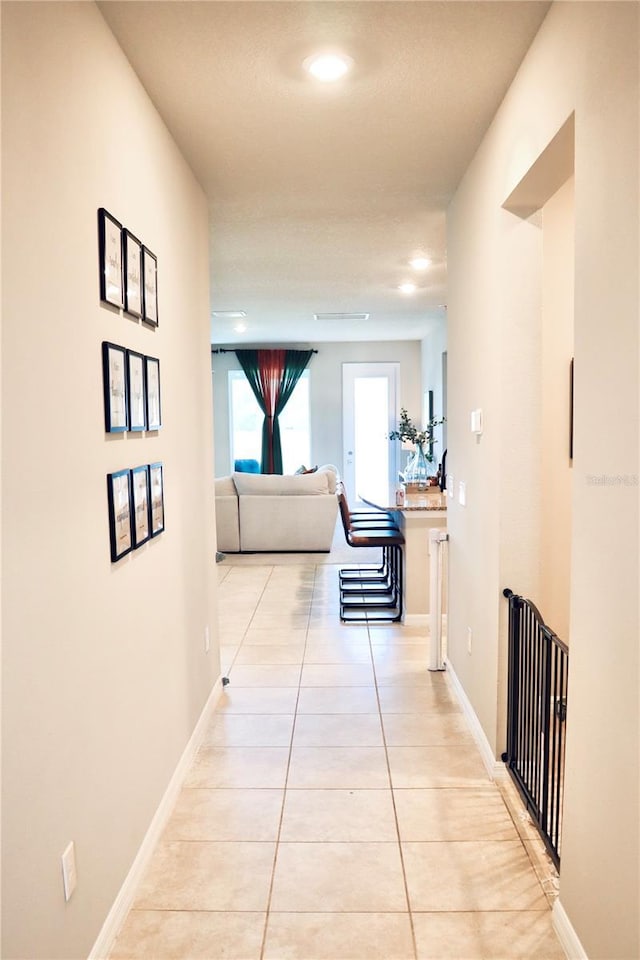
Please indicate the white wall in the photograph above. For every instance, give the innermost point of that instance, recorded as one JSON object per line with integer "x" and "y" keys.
{"x": 104, "y": 671}
{"x": 325, "y": 371}
{"x": 558, "y": 277}
{"x": 584, "y": 59}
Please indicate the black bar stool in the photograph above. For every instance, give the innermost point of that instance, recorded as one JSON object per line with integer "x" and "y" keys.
{"x": 368, "y": 595}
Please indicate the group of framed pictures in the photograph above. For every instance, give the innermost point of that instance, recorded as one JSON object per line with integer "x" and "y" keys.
{"x": 131, "y": 390}
{"x": 136, "y": 507}
{"x": 128, "y": 270}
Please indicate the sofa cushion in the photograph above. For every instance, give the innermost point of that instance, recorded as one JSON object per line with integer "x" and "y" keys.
{"x": 332, "y": 475}
{"x": 302, "y": 485}
{"x": 225, "y": 487}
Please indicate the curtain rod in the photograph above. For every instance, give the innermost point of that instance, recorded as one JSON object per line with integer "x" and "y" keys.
{"x": 233, "y": 349}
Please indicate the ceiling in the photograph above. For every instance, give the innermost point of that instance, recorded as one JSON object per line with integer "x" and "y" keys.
{"x": 319, "y": 194}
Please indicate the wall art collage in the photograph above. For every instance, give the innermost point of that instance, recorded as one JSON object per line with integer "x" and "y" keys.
{"x": 131, "y": 386}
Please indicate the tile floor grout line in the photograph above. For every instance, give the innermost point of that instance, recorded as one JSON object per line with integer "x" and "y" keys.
{"x": 226, "y": 671}
{"x": 284, "y": 792}
{"x": 393, "y": 804}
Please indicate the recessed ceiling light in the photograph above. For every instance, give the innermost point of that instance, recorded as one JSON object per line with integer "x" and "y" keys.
{"x": 407, "y": 288}
{"x": 420, "y": 263}
{"x": 340, "y": 316}
{"x": 328, "y": 67}
{"x": 240, "y": 328}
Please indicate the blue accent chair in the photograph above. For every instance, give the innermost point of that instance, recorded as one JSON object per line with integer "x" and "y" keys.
{"x": 246, "y": 466}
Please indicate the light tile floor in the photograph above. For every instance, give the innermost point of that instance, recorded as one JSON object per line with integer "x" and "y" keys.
{"x": 338, "y": 808}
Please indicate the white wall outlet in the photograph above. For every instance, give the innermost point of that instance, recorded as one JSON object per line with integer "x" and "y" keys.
{"x": 207, "y": 640}
{"x": 450, "y": 484}
{"x": 69, "y": 873}
{"x": 469, "y": 639}
{"x": 462, "y": 493}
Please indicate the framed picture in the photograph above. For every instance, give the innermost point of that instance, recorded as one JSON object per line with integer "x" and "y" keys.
{"x": 110, "y": 246}
{"x": 150, "y": 287}
{"x": 156, "y": 505}
{"x": 152, "y": 385}
{"x": 120, "y": 529}
{"x": 427, "y": 415}
{"x": 114, "y": 378}
{"x": 141, "y": 514}
{"x": 571, "y": 409}
{"x": 135, "y": 391}
{"x": 132, "y": 257}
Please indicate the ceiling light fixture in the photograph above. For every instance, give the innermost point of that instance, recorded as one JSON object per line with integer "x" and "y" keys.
{"x": 420, "y": 263}
{"x": 240, "y": 328}
{"x": 328, "y": 67}
{"x": 407, "y": 288}
{"x": 341, "y": 317}
{"x": 228, "y": 314}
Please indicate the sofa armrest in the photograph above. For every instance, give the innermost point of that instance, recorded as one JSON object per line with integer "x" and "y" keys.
{"x": 227, "y": 524}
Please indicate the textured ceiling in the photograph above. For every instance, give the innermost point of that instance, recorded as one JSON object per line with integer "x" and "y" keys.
{"x": 320, "y": 194}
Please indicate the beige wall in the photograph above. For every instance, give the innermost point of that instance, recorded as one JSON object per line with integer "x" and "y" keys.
{"x": 325, "y": 393}
{"x": 104, "y": 670}
{"x": 558, "y": 273}
{"x": 584, "y": 59}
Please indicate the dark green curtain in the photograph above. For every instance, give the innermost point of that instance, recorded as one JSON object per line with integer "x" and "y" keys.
{"x": 272, "y": 375}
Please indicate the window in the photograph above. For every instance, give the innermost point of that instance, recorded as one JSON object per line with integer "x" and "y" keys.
{"x": 246, "y": 420}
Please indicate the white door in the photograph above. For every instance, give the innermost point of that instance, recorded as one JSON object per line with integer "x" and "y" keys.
{"x": 369, "y": 413}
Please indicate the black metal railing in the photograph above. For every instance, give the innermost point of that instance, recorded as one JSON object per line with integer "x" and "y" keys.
{"x": 536, "y": 717}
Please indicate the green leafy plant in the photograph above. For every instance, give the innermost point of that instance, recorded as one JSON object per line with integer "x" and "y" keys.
{"x": 407, "y": 430}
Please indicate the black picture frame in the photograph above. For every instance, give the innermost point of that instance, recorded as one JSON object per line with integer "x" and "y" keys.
{"x": 114, "y": 379}
{"x": 136, "y": 391}
{"x": 571, "y": 374}
{"x": 149, "y": 287}
{"x": 110, "y": 259}
{"x": 140, "y": 506}
{"x": 120, "y": 514}
{"x": 152, "y": 393}
{"x": 430, "y": 418}
{"x": 156, "y": 499}
{"x": 132, "y": 266}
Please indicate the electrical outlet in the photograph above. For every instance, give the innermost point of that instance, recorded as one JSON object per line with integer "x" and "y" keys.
{"x": 69, "y": 873}
{"x": 207, "y": 640}
{"x": 469, "y": 639}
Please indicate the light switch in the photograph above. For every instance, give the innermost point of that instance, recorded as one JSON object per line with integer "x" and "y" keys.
{"x": 476, "y": 421}
{"x": 462, "y": 493}
{"x": 450, "y": 484}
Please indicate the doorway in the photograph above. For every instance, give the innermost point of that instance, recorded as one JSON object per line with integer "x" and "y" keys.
{"x": 369, "y": 413}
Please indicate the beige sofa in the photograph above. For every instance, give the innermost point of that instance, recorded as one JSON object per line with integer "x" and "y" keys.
{"x": 269, "y": 513}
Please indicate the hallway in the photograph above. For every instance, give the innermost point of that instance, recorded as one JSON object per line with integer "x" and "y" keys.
{"x": 338, "y": 808}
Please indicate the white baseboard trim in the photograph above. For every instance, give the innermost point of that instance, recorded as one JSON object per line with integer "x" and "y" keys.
{"x": 416, "y": 619}
{"x": 127, "y": 893}
{"x": 495, "y": 768}
{"x": 569, "y": 940}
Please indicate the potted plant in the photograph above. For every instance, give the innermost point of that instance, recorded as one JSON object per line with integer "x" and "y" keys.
{"x": 422, "y": 468}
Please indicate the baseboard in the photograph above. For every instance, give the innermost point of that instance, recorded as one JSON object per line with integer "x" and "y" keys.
{"x": 127, "y": 893}
{"x": 569, "y": 940}
{"x": 495, "y": 768}
{"x": 416, "y": 619}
